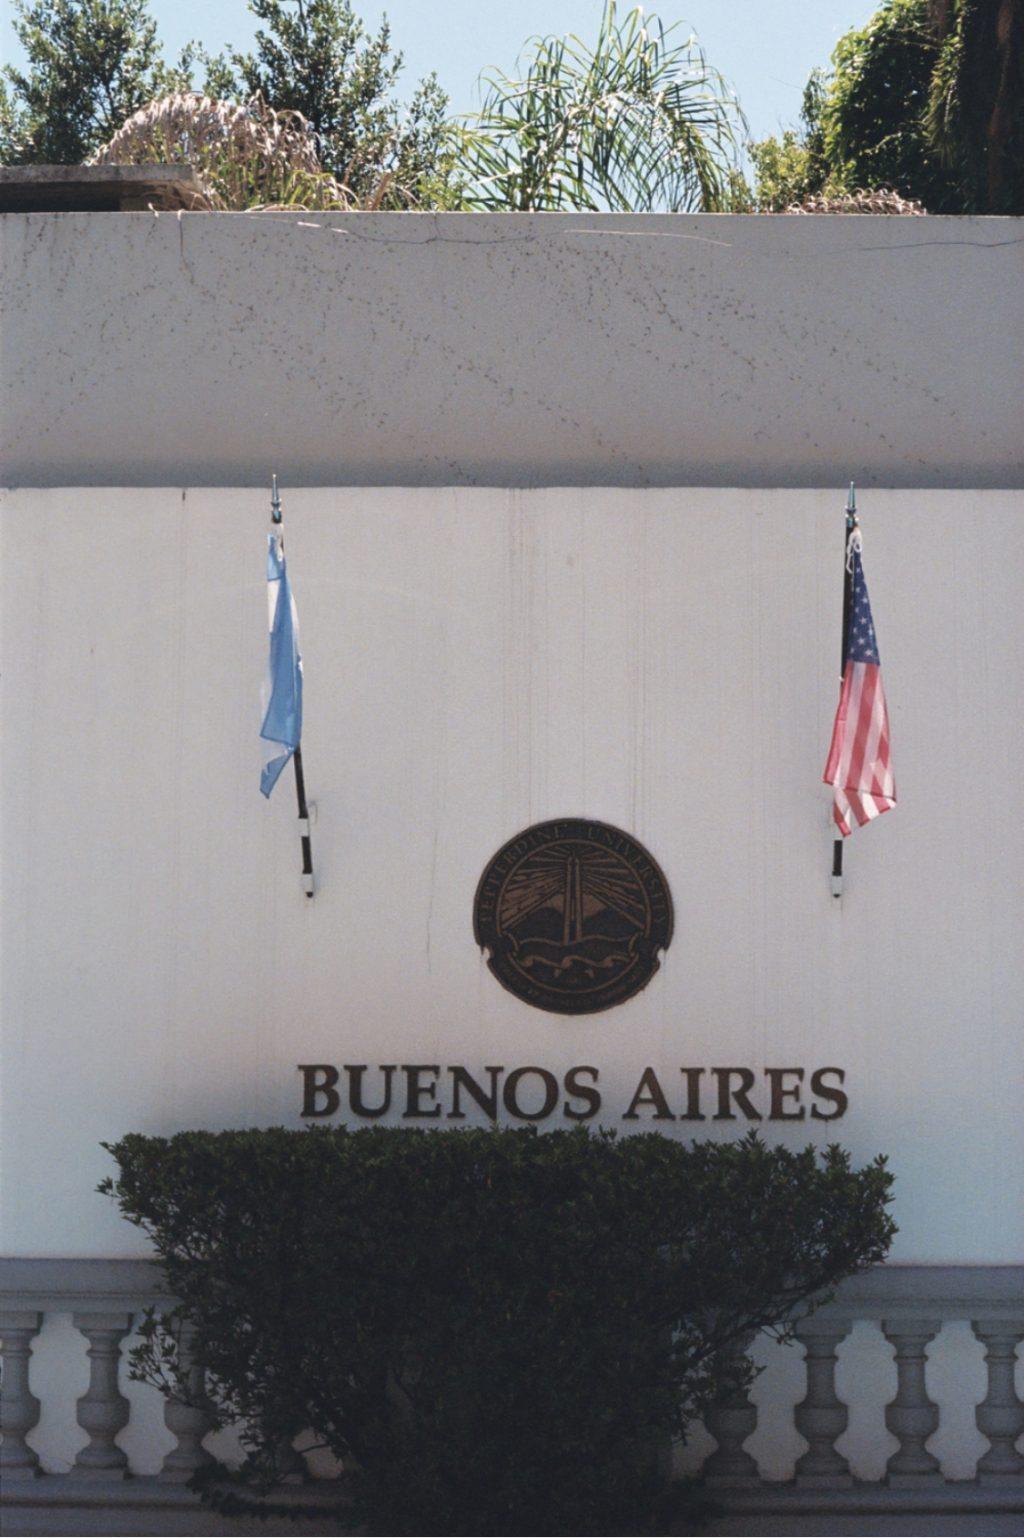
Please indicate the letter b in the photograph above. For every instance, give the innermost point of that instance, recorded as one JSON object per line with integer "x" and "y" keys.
{"x": 312, "y": 1088}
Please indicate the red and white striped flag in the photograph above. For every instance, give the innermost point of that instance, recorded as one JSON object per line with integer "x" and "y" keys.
{"x": 859, "y": 760}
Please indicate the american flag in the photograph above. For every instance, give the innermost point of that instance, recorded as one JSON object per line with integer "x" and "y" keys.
{"x": 859, "y": 762}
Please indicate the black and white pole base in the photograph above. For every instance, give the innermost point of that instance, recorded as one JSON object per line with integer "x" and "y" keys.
{"x": 304, "y": 835}
{"x": 837, "y": 867}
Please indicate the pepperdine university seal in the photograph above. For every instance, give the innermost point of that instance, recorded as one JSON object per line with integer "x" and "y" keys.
{"x": 573, "y": 914}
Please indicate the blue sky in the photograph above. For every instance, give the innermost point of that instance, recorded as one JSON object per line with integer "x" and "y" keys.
{"x": 765, "y": 48}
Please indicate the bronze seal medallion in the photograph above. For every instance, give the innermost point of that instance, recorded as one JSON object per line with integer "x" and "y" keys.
{"x": 573, "y": 915}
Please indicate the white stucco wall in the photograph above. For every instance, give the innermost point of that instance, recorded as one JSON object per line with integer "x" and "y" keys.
{"x": 530, "y": 350}
{"x": 477, "y": 660}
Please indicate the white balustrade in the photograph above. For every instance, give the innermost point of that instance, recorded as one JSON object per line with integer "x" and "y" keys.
{"x": 19, "y": 1408}
{"x": 188, "y": 1420}
{"x": 1000, "y": 1414}
{"x": 908, "y": 1303}
{"x": 911, "y": 1417}
{"x": 821, "y": 1416}
{"x": 103, "y": 1409}
{"x": 731, "y": 1421}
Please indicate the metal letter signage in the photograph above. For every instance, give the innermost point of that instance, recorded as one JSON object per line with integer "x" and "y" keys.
{"x": 573, "y": 915}
{"x": 532, "y": 1093}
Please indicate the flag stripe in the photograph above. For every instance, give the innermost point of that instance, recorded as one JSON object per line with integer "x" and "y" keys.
{"x": 838, "y": 733}
{"x": 861, "y": 755}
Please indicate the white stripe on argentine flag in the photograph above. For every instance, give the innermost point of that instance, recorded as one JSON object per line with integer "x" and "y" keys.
{"x": 282, "y": 721}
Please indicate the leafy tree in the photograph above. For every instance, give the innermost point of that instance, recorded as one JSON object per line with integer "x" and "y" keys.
{"x": 793, "y": 167}
{"x": 14, "y": 129}
{"x": 926, "y": 99}
{"x": 315, "y": 57}
{"x": 91, "y": 63}
{"x": 873, "y": 116}
{"x": 975, "y": 113}
{"x": 636, "y": 122}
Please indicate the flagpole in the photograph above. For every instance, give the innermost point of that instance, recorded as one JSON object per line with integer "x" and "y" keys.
{"x": 850, "y": 524}
{"x": 300, "y": 779}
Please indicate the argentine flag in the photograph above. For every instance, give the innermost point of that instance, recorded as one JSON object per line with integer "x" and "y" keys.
{"x": 282, "y": 723}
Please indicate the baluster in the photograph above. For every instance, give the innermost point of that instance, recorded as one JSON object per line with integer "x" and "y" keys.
{"x": 291, "y": 1465}
{"x": 911, "y": 1416}
{"x": 103, "y": 1409}
{"x": 821, "y": 1416}
{"x": 1000, "y": 1415}
{"x": 731, "y": 1420}
{"x": 19, "y": 1407}
{"x": 190, "y": 1422}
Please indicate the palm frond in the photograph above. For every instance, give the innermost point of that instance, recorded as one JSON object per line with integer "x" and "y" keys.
{"x": 637, "y": 122}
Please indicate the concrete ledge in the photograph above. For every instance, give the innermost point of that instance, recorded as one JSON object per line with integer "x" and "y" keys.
{"x": 951, "y": 1495}
{"x": 97, "y": 189}
{"x": 61, "y": 1504}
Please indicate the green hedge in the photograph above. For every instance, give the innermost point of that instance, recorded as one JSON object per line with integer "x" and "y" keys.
{"x": 495, "y": 1330}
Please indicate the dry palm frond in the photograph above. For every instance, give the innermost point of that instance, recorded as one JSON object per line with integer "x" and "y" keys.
{"x": 881, "y": 201}
{"x": 244, "y": 155}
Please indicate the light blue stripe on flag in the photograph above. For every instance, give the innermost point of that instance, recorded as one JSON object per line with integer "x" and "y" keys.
{"x": 282, "y": 724}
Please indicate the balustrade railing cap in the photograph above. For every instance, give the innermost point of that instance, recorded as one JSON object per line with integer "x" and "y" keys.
{"x": 81, "y": 1284}
{"x": 951, "y": 1292}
